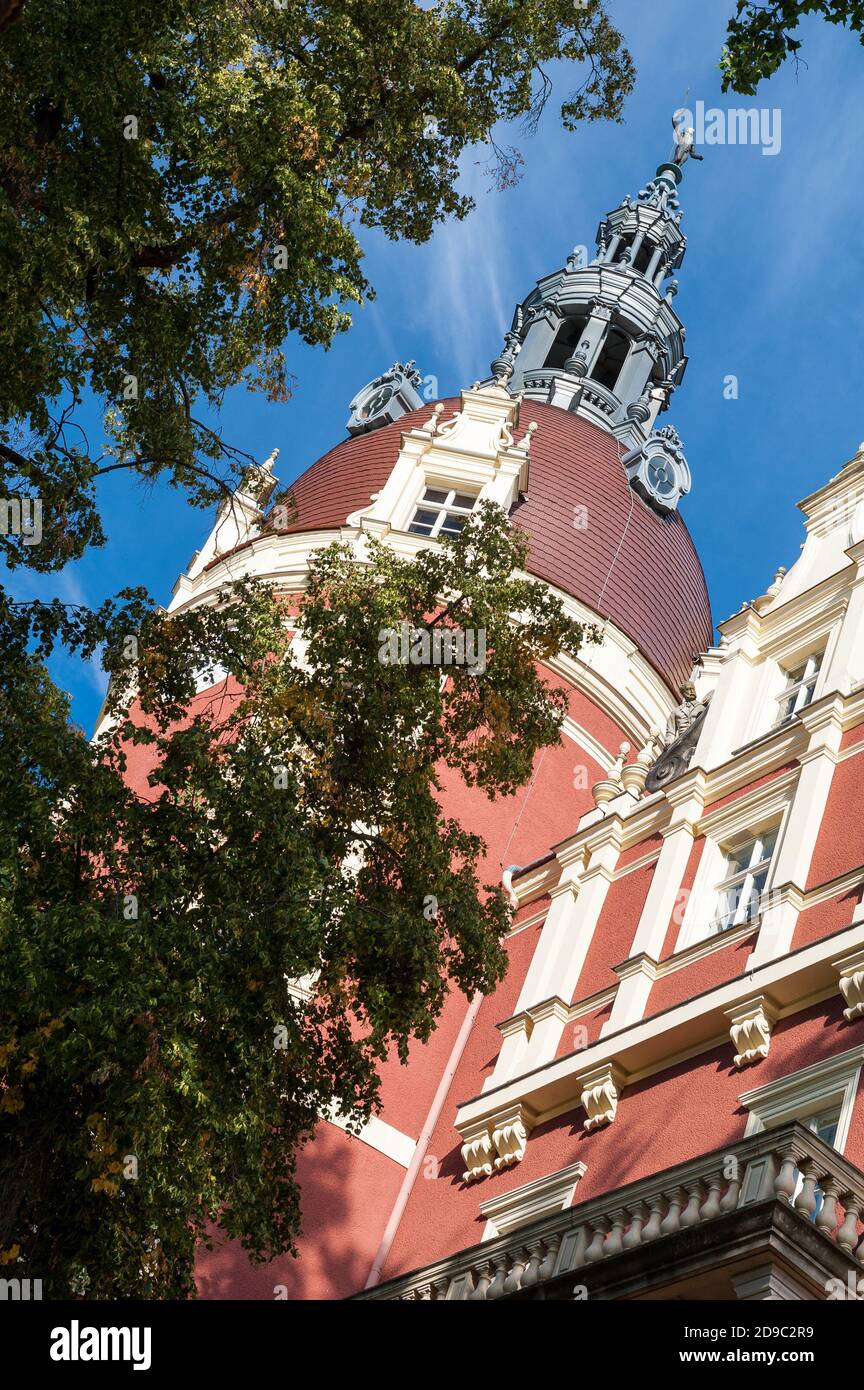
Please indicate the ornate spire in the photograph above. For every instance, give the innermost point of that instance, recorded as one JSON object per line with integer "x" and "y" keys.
{"x": 602, "y": 338}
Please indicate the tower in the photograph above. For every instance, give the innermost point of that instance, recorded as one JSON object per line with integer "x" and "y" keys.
{"x": 603, "y": 339}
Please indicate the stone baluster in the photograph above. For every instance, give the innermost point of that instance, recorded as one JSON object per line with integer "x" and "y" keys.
{"x": 600, "y": 1228}
{"x": 513, "y": 1282}
{"x": 578, "y": 1257}
{"x": 653, "y": 1227}
{"x": 553, "y": 1245}
{"x": 496, "y": 1288}
{"x": 847, "y": 1236}
{"x": 806, "y": 1201}
{"x": 638, "y": 1213}
{"x": 695, "y": 1195}
{"x": 786, "y": 1180}
{"x": 711, "y": 1206}
{"x": 532, "y": 1269}
{"x": 482, "y": 1280}
{"x": 615, "y": 1241}
{"x": 826, "y": 1216}
{"x": 672, "y": 1220}
{"x": 733, "y": 1192}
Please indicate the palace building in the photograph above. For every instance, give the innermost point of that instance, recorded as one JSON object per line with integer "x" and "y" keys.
{"x": 663, "y": 1099}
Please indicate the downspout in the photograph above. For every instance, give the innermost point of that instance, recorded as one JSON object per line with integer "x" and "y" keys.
{"x": 423, "y": 1142}
{"x": 436, "y": 1107}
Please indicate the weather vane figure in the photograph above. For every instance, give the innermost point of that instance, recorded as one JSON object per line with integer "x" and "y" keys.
{"x": 685, "y": 147}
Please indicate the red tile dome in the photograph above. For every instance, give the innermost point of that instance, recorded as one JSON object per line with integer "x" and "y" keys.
{"x": 626, "y": 562}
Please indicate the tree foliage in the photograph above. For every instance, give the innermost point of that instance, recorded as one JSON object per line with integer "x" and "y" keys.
{"x": 182, "y": 183}
{"x": 762, "y": 36}
{"x": 158, "y": 1073}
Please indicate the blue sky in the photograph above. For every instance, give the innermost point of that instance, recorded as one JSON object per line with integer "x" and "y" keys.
{"x": 771, "y": 291}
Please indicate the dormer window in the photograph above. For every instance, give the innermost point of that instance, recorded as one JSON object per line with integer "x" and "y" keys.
{"x": 799, "y": 688}
{"x": 441, "y": 512}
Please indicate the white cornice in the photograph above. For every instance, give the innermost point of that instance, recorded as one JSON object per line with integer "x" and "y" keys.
{"x": 766, "y": 755}
{"x": 587, "y": 743}
{"x": 694, "y": 1026}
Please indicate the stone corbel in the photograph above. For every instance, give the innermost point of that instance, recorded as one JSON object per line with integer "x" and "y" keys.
{"x": 510, "y": 1132}
{"x": 496, "y": 1142}
{"x": 477, "y": 1153}
{"x": 851, "y": 970}
{"x": 750, "y": 1028}
{"x": 601, "y": 1089}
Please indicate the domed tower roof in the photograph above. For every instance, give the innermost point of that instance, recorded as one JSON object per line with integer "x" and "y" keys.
{"x": 592, "y": 358}
{"x": 590, "y": 533}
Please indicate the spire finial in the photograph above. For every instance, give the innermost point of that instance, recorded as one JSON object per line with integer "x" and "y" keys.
{"x": 685, "y": 145}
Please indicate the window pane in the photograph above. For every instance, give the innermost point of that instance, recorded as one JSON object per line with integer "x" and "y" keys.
{"x": 825, "y": 1126}
{"x": 464, "y": 499}
{"x": 727, "y": 903}
{"x": 739, "y": 859}
{"x": 769, "y": 840}
{"x": 787, "y": 708}
{"x": 435, "y": 495}
{"x": 452, "y": 526}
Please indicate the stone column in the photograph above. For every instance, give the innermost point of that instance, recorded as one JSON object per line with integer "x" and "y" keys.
{"x": 536, "y": 344}
{"x": 640, "y": 362}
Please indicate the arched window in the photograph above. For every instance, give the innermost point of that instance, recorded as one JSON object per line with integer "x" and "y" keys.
{"x": 643, "y": 257}
{"x": 608, "y": 365}
{"x": 566, "y": 341}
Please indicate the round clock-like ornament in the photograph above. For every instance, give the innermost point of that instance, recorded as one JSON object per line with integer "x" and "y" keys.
{"x": 658, "y": 469}
{"x": 385, "y": 399}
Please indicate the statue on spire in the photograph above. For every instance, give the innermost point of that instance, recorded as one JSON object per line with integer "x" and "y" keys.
{"x": 685, "y": 146}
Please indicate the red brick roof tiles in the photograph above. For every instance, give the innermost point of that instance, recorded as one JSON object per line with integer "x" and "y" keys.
{"x": 627, "y": 563}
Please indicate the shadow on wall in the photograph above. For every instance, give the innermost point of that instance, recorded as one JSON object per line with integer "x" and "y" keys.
{"x": 334, "y": 1247}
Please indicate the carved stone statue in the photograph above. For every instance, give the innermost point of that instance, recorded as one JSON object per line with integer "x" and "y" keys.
{"x": 682, "y": 718}
{"x": 679, "y": 742}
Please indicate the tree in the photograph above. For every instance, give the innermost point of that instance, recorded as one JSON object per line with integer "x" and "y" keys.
{"x": 158, "y": 1074}
{"x": 182, "y": 185}
{"x": 762, "y": 36}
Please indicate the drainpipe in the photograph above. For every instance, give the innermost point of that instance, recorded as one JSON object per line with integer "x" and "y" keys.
{"x": 423, "y": 1142}
{"x": 437, "y": 1103}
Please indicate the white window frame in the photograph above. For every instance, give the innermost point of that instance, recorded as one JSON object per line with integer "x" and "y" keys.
{"x": 802, "y": 692}
{"x": 785, "y": 652}
{"x": 764, "y": 809}
{"x": 533, "y": 1200}
{"x": 743, "y": 879}
{"x": 698, "y": 925}
{"x": 822, "y": 1086}
{"x": 445, "y": 509}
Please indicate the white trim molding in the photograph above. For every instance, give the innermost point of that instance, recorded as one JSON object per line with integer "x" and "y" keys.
{"x": 533, "y": 1200}
{"x": 381, "y": 1136}
{"x": 696, "y": 1025}
{"x": 833, "y": 1081}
